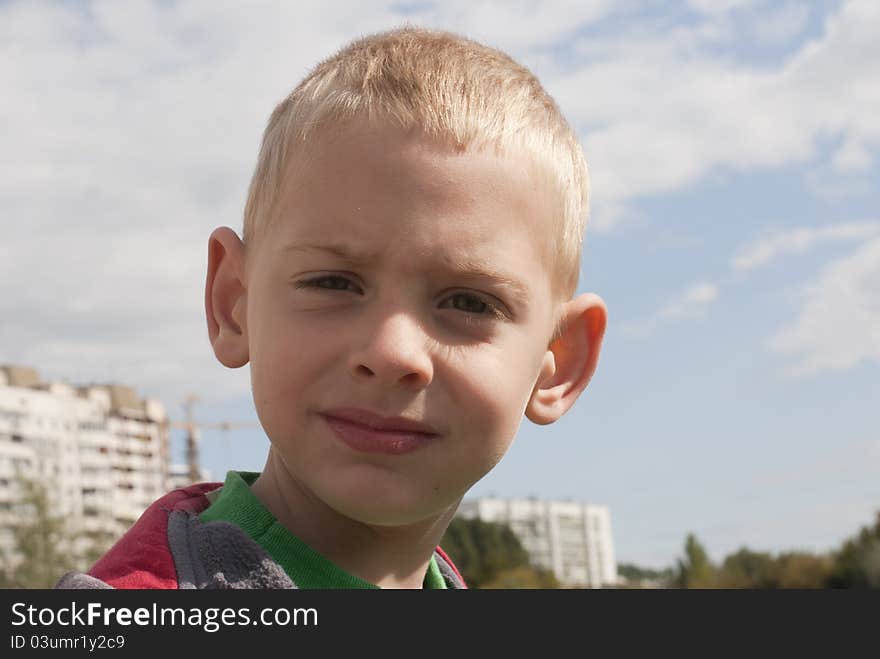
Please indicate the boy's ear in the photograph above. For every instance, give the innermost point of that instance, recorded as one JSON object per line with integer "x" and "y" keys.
{"x": 226, "y": 298}
{"x": 570, "y": 360}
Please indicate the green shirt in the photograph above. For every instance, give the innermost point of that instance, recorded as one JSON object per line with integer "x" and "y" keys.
{"x": 235, "y": 503}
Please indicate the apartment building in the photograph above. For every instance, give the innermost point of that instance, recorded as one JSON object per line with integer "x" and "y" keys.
{"x": 573, "y": 540}
{"x": 100, "y": 451}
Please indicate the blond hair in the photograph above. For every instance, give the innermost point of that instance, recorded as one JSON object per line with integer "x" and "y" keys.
{"x": 452, "y": 88}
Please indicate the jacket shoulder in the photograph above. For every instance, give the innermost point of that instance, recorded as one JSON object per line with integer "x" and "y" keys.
{"x": 142, "y": 558}
{"x": 450, "y": 573}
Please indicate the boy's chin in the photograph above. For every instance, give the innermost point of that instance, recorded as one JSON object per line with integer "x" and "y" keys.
{"x": 394, "y": 511}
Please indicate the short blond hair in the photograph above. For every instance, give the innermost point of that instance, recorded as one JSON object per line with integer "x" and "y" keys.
{"x": 452, "y": 88}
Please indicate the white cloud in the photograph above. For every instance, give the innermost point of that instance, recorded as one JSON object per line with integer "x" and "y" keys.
{"x": 659, "y": 111}
{"x": 515, "y": 25}
{"x": 852, "y": 156}
{"x": 782, "y": 24}
{"x": 719, "y": 6}
{"x": 839, "y": 323}
{"x": 799, "y": 241}
{"x": 831, "y": 187}
{"x": 690, "y": 304}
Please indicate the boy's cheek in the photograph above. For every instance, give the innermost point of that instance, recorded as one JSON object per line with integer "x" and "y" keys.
{"x": 492, "y": 416}
{"x": 505, "y": 383}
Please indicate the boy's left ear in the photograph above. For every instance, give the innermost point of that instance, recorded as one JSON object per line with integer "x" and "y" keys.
{"x": 570, "y": 360}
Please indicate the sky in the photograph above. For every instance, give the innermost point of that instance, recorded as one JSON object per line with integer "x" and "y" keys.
{"x": 734, "y": 235}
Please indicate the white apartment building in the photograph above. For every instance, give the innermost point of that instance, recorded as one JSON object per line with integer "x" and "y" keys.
{"x": 101, "y": 451}
{"x": 573, "y": 540}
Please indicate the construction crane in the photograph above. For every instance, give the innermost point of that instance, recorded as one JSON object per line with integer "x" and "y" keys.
{"x": 193, "y": 431}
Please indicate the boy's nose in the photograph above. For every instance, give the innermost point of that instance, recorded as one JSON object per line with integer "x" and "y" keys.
{"x": 395, "y": 351}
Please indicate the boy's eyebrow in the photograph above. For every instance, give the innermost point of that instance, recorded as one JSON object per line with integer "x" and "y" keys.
{"x": 475, "y": 269}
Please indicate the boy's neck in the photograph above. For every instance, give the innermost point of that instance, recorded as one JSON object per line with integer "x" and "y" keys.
{"x": 386, "y": 556}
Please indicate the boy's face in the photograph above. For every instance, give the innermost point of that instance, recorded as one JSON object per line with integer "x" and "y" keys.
{"x": 406, "y": 280}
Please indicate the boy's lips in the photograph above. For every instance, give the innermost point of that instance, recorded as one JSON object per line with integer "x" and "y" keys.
{"x": 375, "y": 421}
{"x": 368, "y": 432}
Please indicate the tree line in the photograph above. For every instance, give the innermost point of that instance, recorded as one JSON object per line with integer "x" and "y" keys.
{"x": 855, "y": 564}
{"x": 488, "y": 554}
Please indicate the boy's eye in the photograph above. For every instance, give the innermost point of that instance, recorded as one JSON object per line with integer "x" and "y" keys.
{"x": 330, "y": 282}
{"x": 470, "y": 304}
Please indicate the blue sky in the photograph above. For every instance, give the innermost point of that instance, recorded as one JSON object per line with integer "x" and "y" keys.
{"x": 734, "y": 235}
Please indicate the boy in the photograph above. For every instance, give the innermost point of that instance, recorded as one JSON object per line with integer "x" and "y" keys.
{"x": 403, "y": 294}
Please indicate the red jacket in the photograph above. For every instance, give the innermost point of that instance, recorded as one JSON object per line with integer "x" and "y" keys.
{"x": 163, "y": 550}
{"x": 142, "y": 557}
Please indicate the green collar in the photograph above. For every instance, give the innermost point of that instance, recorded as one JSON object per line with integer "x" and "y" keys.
{"x": 308, "y": 569}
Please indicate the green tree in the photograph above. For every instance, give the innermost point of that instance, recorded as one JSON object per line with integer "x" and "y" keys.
{"x": 44, "y": 546}
{"x": 695, "y": 570}
{"x": 857, "y": 562}
{"x": 489, "y": 554}
{"x": 636, "y": 575}
{"x": 521, "y": 576}
{"x": 803, "y": 570}
{"x": 750, "y": 569}
{"x": 747, "y": 569}
{"x": 40, "y": 552}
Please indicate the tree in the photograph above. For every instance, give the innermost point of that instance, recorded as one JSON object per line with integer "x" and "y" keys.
{"x": 857, "y": 562}
{"x": 637, "y": 576}
{"x": 803, "y": 570}
{"x": 747, "y": 569}
{"x": 44, "y": 547}
{"x": 750, "y": 569}
{"x": 489, "y": 554}
{"x": 695, "y": 570}
{"x": 521, "y": 576}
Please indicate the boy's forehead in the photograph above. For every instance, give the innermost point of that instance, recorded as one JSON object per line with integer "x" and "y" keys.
{"x": 379, "y": 148}
{"x": 357, "y": 191}
{"x": 362, "y": 167}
